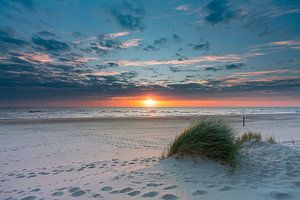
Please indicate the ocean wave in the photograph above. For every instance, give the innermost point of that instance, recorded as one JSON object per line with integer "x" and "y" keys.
{"x": 57, "y": 113}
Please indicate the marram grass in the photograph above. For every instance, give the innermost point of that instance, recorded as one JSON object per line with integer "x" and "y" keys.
{"x": 253, "y": 137}
{"x": 248, "y": 136}
{"x": 211, "y": 138}
{"x": 271, "y": 139}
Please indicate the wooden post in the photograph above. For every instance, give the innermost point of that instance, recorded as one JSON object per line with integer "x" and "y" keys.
{"x": 243, "y": 121}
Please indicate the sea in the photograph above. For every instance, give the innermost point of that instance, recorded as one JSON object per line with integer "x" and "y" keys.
{"x": 117, "y": 112}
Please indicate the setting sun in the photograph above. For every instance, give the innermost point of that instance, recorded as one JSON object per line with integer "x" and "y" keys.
{"x": 150, "y": 103}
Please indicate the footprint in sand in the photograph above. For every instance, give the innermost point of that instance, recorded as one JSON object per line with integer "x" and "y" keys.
{"x": 281, "y": 195}
{"x": 125, "y": 190}
{"x": 150, "y": 194}
{"x": 96, "y": 195}
{"x": 35, "y": 190}
{"x": 115, "y": 192}
{"x": 29, "y": 198}
{"x": 57, "y": 194}
{"x": 78, "y": 193}
{"x": 43, "y": 173}
{"x": 106, "y": 188}
{"x": 169, "y": 197}
{"x": 171, "y": 187}
{"x": 74, "y": 189}
{"x": 152, "y": 185}
{"x": 134, "y": 193}
{"x": 199, "y": 192}
{"x": 31, "y": 176}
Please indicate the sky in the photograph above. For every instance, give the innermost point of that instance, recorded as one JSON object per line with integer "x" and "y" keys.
{"x": 179, "y": 53}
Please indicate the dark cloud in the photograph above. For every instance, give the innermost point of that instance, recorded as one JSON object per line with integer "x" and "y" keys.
{"x": 181, "y": 57}
{"x": 129, "y": 15}
{"x": 110, "y": 64}
{"x": 182, "y": 69}
{"x": 46, "y": 34}
{"x": 52, "y": 81}
{"x": 157, "y": 44}
{"x": 150, "y": 48}
{"x": 50, "y": 45}
{"x": 7, "y": 40}
{"x": 103, "y": 45}
{"x": 220, "y": 11}
{"x": 234, "y": 66}
{"x": 160, "y": 42}
{"x": 213, "y": 69}
{"x": 202, "y": 47}
{"x": 176, "y": 38}
{"x": 231, "y": 66}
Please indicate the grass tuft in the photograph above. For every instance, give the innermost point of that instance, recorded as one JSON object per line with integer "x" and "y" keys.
{"x": 248, "y": 136}
{"x": 211, "y": 138}
{"x": 271, "y": 139}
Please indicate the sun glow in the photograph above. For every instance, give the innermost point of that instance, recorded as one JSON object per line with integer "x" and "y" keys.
{"x": 150, "y": 103}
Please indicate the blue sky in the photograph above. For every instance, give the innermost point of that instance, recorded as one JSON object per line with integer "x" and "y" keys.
{"x": 76, "y": 50}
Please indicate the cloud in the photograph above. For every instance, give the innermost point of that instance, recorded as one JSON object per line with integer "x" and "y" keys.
{"x": 160, "y": 42}
{"x": 8, "y": 42}
{"x": 260, "y": 76}
{"x": 286, "y": 43}
{"x": 102, "y": 45}
{"x": 248, "y": 81}
{"x": 75, "y": 59}
{"x": 129, "y": 16}
{"x": 157, "y": 44}
{"x": 184, "y": 7}
{"x": 50, "y": 45}
{"x": 214, "y": 69}
{"x": 46, "y": 34}
{"x": 102, "y": 73}
{"x": 118, "y": 34}
{"x": 182, "y": 69}
{"x": 192, "y": 61}
{"x": 176, "y": 38}
{"x": 150, "y": 48}
{"x": 36, "y": 57}
{"x": 258, "y": 73}
{"x": 220, "y": 11}
{"x": 204, "y": 46}
{"x": 131, "y": 43}
{"x": 234, "y": 66}
{"x": 105, "y": 44}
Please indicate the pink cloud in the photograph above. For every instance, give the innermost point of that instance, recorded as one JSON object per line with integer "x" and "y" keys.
{"x": 80, "y": 60}
{"x": 36, "y": 57}
{"x": 258, "y": 73}
{"x": 286, "y": 43}
{"x": 118, "y": 34}
{"x": 192, "y": 61}
{"x": 131, "y": 43}
{"x": 195, "y": 60}
{"x": 103, "y": 73}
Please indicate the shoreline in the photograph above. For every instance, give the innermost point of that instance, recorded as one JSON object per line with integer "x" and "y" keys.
{"x": 95, "y": 119}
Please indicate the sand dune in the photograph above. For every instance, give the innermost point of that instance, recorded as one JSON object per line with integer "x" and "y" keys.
{"x": 121, "y": 160}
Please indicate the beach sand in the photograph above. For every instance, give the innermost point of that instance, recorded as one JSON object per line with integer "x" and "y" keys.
{"x": 120, "y": 159}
